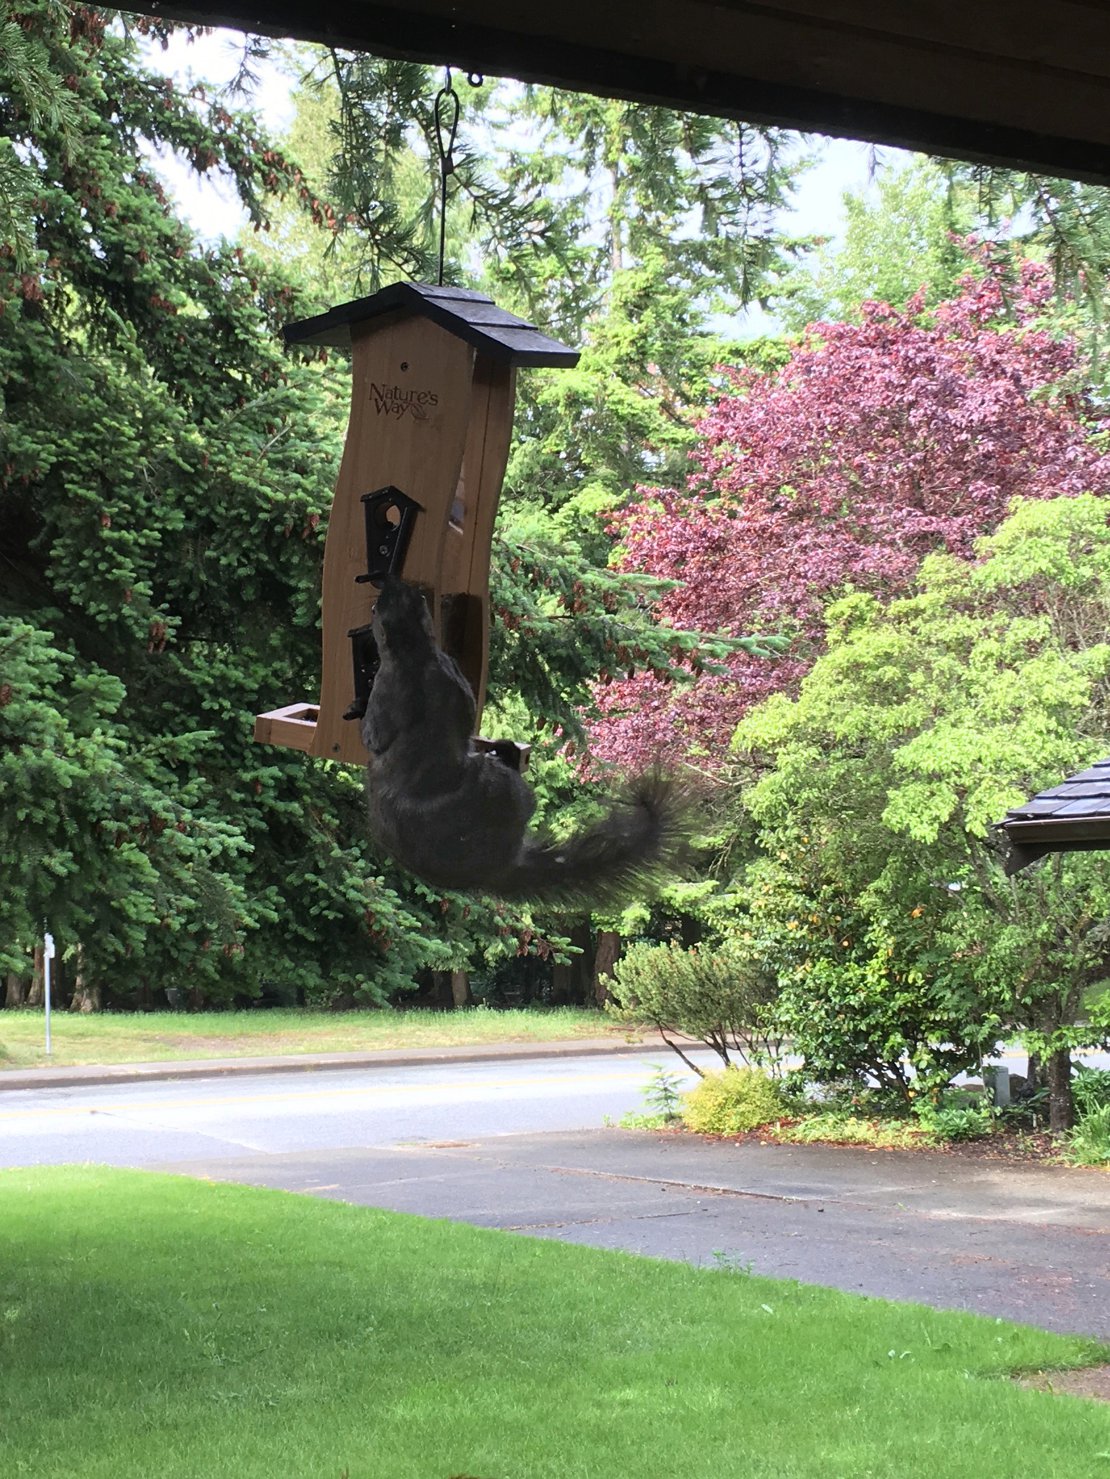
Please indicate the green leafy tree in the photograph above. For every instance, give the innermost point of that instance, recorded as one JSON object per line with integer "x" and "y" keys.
{"x": 380, "y": 208}
{"x": 99, "y": 838}
{"x": 39, "y": 95}
{"x": 895, "y": 927}
{"x": 662, "y": 228}
{"x": 632, "y": 181}
{"x": 618, "y": 227}
{"x": 906, "y": 238}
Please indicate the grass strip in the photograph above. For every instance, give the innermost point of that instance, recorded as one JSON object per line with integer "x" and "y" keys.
{"x": 157, "y": 1325}
{"x": 151, "y": 1037}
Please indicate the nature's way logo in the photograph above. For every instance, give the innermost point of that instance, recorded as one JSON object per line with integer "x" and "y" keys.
{"x": 393, "y": 400}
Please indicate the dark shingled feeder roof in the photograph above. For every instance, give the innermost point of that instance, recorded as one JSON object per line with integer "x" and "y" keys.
{"x": 469, "y": 315}
{"x": 1071, "y": 817}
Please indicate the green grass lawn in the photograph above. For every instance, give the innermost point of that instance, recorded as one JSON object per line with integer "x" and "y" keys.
{"x": 155, "y": 1326}
{"x": 147, "y": 1037}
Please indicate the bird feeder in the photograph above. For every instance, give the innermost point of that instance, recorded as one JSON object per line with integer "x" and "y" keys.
{"x": 432, "y": 390}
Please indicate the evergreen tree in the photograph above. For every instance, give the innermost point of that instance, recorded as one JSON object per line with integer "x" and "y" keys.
{"x": 164, "y": 481}
{"x": 165, "y": 476}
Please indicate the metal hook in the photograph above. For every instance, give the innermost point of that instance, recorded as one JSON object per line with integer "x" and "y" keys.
{"x": 447, "y": 124}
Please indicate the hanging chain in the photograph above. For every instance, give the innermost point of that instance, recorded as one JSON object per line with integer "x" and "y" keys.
{"x": 447, "y": 126}
{"x": 446, "y": 113}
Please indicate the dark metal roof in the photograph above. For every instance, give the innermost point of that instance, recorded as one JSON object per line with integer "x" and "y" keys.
{"x": 1071, "y": 817}
{"x": 469, "y": 315}
{"x": 1014, "y": 82}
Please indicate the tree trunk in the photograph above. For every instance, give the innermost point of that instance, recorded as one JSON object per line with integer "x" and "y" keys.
{"x": 1033, "y": 1072}
{"x": 36, "y": 993}
{"x": 15, "y": 990}
{"x": 1061, "y": 1107}
{"x": 561, "y": 983}
{"x": 60, "y": 993}
{"x": 460, "y": 989}
{"x": 442, "y": 997}
{"x": 86, "y": 997}
{"x": 434, "y": 993}
{"x": 609, "y": 946}
{"x": 571, "y": 983}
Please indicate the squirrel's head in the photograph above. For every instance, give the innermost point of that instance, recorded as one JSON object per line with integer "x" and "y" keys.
{"x": 401, "y": 616}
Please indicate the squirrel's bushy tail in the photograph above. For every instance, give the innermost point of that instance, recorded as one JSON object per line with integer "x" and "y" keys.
{"x": 644, "y": 836}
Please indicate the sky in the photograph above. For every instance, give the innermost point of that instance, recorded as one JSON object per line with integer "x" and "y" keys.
{"x": 211, "y": 208}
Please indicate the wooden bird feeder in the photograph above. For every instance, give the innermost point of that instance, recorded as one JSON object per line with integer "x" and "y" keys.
{"x": 433, "y": 384}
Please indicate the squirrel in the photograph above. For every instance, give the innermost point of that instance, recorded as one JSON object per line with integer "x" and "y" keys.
{"x": 456, "y": 816}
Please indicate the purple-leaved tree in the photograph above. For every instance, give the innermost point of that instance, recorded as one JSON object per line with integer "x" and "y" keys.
{"x": 875, "y": 444}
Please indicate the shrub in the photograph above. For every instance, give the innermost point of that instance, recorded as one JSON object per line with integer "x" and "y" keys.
{"x": 1090, "y": 1089}
{"x": 1089, "y": 1143}
{"x": 718, "y": 995}
{"x": 731, "y": 1102}
{"x": 662, "y": 1097}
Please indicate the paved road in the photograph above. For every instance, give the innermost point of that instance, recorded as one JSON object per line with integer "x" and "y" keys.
{"x": 517, "y": 1146}
{"x": 142, "y": 1124}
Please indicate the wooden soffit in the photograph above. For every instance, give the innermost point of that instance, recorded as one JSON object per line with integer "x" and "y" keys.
{"x": 1012, "y": 82}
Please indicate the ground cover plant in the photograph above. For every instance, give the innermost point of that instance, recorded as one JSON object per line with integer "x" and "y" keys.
{"x": 172, "y": 1327}
{"x": 1088, "y": 1144}
{"x": 839, "y": 1127}
{"x": 742, "y": 1102}
{"x": 138, "y": 1037}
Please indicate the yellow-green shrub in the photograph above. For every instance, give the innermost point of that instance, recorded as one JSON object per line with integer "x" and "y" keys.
{"x": 733, "y": 1101}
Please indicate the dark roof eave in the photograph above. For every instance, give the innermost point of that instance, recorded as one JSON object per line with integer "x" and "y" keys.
{"x": 1058, "y": 829}
{"x": 1032, "y": 838}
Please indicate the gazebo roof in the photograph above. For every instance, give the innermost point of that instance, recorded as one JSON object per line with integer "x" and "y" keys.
{"x": 469, "y": 315}
{"x": 1073, "y": 816}
{"x": 1011, "y": 82}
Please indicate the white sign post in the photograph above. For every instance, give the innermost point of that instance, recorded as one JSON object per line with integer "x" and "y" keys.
{"x": 47, "y": 957}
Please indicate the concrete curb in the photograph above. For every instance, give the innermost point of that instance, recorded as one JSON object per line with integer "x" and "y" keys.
{"x": 122, "y": 1073}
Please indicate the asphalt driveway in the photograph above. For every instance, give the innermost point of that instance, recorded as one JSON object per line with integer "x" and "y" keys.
{"x": 1022, "y": 1242}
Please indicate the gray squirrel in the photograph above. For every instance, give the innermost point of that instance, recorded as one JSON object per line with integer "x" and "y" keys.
{"x": 456, "y": 816}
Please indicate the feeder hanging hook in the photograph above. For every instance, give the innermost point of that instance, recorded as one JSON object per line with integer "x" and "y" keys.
{"x": 446, "y": 113}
